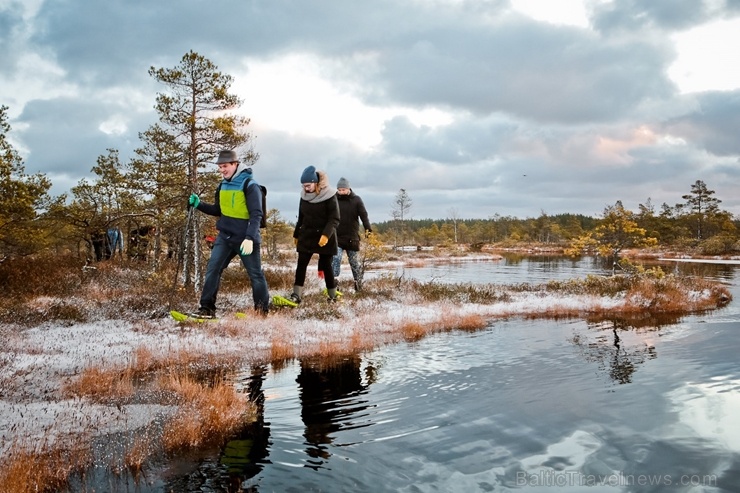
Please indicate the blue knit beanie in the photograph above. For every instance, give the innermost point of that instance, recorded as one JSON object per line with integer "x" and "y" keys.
{"x": 309, "y": 175}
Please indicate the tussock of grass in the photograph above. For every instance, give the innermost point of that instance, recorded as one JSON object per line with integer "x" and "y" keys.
{"x": 38, "y": 468}
{"x": 209, "y": 415}
{"x": 413, "y": 331}
{"x": 462, "y": 293}
{"x": 97, "y": 383}
{"x": 281, "y": 349}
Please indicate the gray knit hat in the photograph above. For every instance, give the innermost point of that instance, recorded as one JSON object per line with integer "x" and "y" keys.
{"x": 343, "y": 183}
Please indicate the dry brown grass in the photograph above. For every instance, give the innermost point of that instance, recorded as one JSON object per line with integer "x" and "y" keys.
{"x": 673, "y": 295}
{"x": 138, "y": 453}
{"x": 208, "y": 414}
{"x": 41, "y": 468}
{"x": 469, "y": 323}
{"x": 412, "y": 331}
{"x": 102, "y": 384}
{"x": 281, "y": 349}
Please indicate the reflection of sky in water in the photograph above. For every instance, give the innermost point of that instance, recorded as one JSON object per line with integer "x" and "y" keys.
{"x": 476, "y": 411}
{"x": 711, "y": 410}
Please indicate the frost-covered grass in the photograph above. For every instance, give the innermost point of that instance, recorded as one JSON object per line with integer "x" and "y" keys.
{"x": 90, "y": 353}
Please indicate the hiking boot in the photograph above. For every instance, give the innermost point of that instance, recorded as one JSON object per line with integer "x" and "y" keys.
{"x": 333, "y": 295}
{"x": 204, "y": 313}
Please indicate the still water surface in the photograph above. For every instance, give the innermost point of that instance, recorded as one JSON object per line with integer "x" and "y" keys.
{"x": 520, "y": 406}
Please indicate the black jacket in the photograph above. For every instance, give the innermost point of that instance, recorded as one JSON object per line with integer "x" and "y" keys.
{"x": 351, "y": 208}
{"x": 316, "y": 219}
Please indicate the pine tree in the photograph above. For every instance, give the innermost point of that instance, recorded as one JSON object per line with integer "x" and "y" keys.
{"x": 702, "y": 205}
{"x": 22, "y": 200}
{"x": 194, "y": 111}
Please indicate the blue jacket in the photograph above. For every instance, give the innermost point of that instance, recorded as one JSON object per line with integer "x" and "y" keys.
{"x": 239, "y": 213}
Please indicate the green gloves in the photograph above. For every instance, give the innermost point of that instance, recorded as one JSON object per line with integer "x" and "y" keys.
{"x": 246, "y": 248}
{"x": 323, "y": 240}
{"x": 194, "y": 200}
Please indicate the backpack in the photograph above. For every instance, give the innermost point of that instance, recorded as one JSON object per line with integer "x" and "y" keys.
{"x": 263, "y": 221}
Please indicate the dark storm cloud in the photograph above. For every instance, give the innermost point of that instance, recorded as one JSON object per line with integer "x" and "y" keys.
{"x": 102, "y": 40}
{"x": 467, "y": 58}
{"x": 468, "y": 61}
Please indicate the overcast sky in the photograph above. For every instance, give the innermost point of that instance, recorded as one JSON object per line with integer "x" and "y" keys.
{"x": 475, "y": 107}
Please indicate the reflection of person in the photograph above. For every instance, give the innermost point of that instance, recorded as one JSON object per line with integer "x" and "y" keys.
{"x": 245, "y": 455}
{"x": 324, "y": 389}
{"x": 238, "y": 206}
{"x": 351, "y": 208}
{"x": 318, "y": 216}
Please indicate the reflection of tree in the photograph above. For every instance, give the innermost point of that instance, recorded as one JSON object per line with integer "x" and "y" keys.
{"x": 613, "y": 353}
{"x": 329, "y": 393}
{"x": 245, "y": 454}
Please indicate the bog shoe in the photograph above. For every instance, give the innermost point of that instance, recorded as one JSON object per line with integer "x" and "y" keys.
{"x": 295, "y": 298}
{"x": 326, "y": 293}
{"x": 204, "y": 313}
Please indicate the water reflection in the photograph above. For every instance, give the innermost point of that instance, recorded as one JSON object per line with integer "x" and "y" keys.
{"x": 508, "y": 408}
{"x": 619, "y": 345}
{"x": 331, "y": 393}
{"x": 245, "y": 455}
{"x": 242, "y": 458}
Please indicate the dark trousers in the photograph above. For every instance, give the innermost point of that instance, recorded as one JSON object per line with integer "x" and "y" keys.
{"x": 222, "y": 253}
{"x": 324, "y": 265}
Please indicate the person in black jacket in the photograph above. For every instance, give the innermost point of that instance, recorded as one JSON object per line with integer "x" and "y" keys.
{"x": 351, "y": 208}
{"x": 318, "y": 217}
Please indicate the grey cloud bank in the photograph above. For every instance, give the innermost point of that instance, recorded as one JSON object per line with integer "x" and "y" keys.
{"x": 539, "y": 117}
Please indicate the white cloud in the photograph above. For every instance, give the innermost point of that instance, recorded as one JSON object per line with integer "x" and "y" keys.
{"x": 568, "y": 12}
{"x": 293, "y": 94}
{"x": 708, "y": 58}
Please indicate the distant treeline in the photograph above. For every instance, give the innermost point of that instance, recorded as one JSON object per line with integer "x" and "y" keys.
{"x": 696, "y": 224}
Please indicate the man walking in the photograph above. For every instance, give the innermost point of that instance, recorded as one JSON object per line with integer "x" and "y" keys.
{"x": 238, "y": 206}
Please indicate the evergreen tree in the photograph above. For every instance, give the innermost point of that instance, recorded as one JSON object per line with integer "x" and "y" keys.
{"x": 23, "y": 198}
{"x": 194, "y": 111}
{"x": 701, "y": 205}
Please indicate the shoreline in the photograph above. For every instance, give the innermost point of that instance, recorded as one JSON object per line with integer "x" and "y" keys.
{"x": 41, "y": 363}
